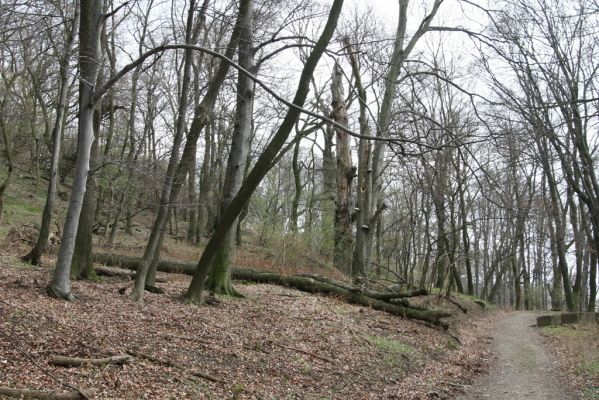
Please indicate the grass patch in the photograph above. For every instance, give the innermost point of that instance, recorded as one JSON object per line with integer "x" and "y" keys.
{"x": 589, "y": 367}
{"x": 392, "y": 346}
{"x": 591, "y": 393}
{"x": 561, "y": 330}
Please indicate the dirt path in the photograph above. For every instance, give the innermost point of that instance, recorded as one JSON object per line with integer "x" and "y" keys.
{"x": 522, "y": 368}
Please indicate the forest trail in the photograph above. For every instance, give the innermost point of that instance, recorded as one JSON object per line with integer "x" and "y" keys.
{"x": 522, "y": 368}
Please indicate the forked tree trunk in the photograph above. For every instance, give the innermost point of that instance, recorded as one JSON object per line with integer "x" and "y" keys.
{"x": 200, "y": 120}
{"x": 163, "y": 209}
{"x": 362, "y": 247}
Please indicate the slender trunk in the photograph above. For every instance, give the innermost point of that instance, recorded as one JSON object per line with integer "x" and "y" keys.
{"x": 297, "y": 184}
{"x": 163, "y": 212}
{"x": 35, "y": 255}
{"x": 464, "y": 229}
{"x": 82, "y": 265}
{"x": 191, "y": 188}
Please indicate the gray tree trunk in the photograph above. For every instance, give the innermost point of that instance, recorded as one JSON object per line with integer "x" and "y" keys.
{"x": 342, "y": 256}
{"x": 89, "y": 63}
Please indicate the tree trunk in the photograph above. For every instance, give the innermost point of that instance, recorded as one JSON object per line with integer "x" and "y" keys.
{"x": 191, "y": 188}
{"x": 342, "y": 258}
{"x": 328, "y": 192}
{"x": 297, "y": 184}
{"x": 91, "y": 16}
{"x": 201, "y": 119}
{"x": 219, "y": 279}
{"x": 392, "y": 302}
{"x": 361, "y": 253}
{"x": 82, "y": 265}
{"x": 163, "y": 209}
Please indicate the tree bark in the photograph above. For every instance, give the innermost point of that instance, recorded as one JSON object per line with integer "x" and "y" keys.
{"x": 342, "y": 257}
{"x": 91, "y": 19}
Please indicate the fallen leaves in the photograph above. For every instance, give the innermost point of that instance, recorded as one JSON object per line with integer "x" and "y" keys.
{"x": 276, "y": 343}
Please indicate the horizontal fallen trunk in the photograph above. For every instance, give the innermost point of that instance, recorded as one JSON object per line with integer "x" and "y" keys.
{"x": 77, "y": 362}
{"x": 40, "y": 394}
{"x": 120, "y": 274}
{"x": 385, "y": 301}
{"x": 172, "y": 266}
{"x": 311, "y": 285}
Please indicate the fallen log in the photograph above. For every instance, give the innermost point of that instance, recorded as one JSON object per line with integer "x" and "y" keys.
{"x": 311, "y": 285}
{"x": 128, "y": 262}
{"x": 120, "y": 274}
{"x": 383, "y": 301}
{"x": 390, "y": 295}
{"x": 77, "y": 362}
{"x": 40, "y": 394}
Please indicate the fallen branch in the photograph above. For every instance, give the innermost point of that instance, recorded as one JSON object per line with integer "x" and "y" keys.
{"x": 173, "y": 364}
{"x": 458, "y": 305}
{"x": 78, "y": 362}
{"x": 40, "y": 394}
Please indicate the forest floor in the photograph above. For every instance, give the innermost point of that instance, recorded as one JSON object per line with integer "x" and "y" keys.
{"x": 277, "y": 343}
{"x": 522, "y": 369}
